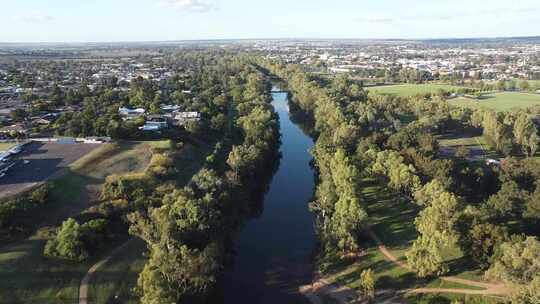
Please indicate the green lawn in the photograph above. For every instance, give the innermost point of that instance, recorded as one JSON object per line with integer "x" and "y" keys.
{"x": 500, "y": 102}
{"x": 119, "y": 275}
{"x": 445, "y": 298}
{"x": 405, "y": 90}
{"x": 28, "y": 277}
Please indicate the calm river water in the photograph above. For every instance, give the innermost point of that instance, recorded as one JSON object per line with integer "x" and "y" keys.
{"x": 274, "y": 251}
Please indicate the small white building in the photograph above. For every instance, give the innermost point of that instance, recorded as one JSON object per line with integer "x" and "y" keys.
{"x": 493, "y": 162}
{"x": 180, "y": 118}
{"x": 154, "y": 126}
{"x": 170, "y": 108}
{"x": 127, "y": 111}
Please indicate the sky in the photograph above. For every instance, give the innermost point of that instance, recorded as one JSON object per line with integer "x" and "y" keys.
{"x": 164, "y": 20}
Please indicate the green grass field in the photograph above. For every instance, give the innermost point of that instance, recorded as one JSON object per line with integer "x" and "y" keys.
{"x": 500, "y": 102}
{"x": 28, "y": 277}
{"x": 405, "y": 90}
{"x": 119, "y": 275}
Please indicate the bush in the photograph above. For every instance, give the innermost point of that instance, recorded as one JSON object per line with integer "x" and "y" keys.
{"x": 68, "y": 242}
{"x": 13, "y": 209}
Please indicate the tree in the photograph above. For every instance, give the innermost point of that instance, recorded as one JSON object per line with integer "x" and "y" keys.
{"x": 528, "y": 294}
{"x": 517, "y": 261}
{"x": 425, "y": 257}
{"x": 482, "y": 241}
{"x": 429, "y": 192}
{"x": 177, "y": 274}
{"x": 439, "y": 218}
{"x": 19, "y": 114}
{"x": 367, "y": 284}
{"x": 508, "y": 203}
{"x": 348, "y": 217}
{"x": 524, "y": 85}
{"x": 526, "y": 134}
{"x": 347, "y": 220}
{"x": 68, "y": 242}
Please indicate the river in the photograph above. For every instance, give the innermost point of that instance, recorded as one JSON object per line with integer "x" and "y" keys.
{"x": 274, "y": 251}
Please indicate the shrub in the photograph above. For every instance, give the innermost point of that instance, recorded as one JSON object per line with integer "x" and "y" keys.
{"x": 68, "y": 242}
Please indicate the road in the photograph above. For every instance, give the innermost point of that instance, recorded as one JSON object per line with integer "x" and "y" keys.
{"x": 45, "y": 159}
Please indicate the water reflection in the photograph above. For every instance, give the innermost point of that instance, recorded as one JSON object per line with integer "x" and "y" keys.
{"x": 274, "y": 250}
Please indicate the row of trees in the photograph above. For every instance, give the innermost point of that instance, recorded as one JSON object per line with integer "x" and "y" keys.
{"x": 187, "y": 233}
{"x": 480, "y": 209}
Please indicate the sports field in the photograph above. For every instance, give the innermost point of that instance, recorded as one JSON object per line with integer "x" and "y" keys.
{"x": 405, "y": 90}
{"x": 500, "y": 102}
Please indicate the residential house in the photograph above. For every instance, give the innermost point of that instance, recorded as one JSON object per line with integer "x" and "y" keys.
{"x": 129, "y": 114}
{"x": 181, "y": 118}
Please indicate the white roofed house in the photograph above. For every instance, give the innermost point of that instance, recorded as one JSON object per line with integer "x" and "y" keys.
{"x": 129, "y": 114}
{"x": 154, "y": 126}
{"x": 155, "y": 123}
{"x": 181, "y": 118}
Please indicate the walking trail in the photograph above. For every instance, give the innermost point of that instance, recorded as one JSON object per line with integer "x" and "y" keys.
{"x": 83, "y": 289}
{"x": 343, "y": 294}
{"x": 499, "y": 289}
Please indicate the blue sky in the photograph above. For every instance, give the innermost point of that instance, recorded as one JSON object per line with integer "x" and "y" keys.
{"x": 158, "y": 20}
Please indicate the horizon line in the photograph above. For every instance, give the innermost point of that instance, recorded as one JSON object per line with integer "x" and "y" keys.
{"x": 270, "y": 39}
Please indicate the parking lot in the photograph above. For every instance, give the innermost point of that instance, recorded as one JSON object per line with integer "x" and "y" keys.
{"x": 38, "y": 162}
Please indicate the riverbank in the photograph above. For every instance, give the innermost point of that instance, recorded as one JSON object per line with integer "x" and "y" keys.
{"x": 271, "y": 271}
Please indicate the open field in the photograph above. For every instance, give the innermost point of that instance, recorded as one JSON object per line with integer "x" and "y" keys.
{"x": 405, "y": 90}
{"x": 478, "y": 149}
{"x": 28, "y": 277}
{"x": 500, "y": 102}
{"x": 119, "y": 275}
{"x": 45, "y": 159}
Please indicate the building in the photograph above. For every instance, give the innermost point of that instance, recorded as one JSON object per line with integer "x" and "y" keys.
{"x": 170, "y": 108}
{"x": 128, "y": 112}
{"x": 181, "y": 118}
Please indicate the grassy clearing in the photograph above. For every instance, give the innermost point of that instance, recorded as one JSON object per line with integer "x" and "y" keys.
{"x": 28, "y": 277}
{"x": 392, "y": 218}
{"x": 461, "y": 141}
{"x": 446, "y": 298}
{"x": 119, "y": 275}
{"x": 477, "y": 146}
{"x": 500, "y": 102}
{"x": 406, "y": 90}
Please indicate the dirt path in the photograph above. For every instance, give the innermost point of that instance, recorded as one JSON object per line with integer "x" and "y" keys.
{"x": 83, "y": 289}
{"x": 489, "y": 288}
{"x": 323, "y": 288}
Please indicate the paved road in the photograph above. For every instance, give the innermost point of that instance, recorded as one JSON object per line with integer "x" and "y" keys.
{"x": 45, "y": 159}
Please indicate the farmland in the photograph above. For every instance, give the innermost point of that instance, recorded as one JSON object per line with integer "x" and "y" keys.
{"x": 500, "y": 102}
{"x": 405, "y": 90}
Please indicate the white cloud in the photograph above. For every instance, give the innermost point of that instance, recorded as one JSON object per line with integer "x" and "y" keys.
{"x": 32, "y": 18}
{"x": 200, "y": 6}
